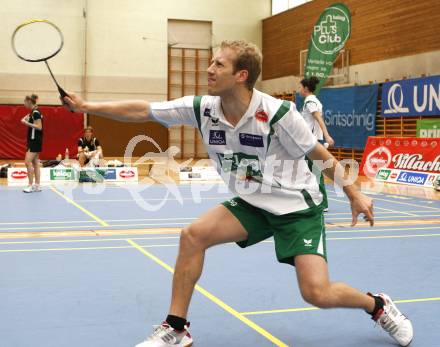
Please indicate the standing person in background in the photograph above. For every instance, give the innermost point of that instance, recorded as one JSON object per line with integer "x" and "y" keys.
{"x": 89, "y": 148}
{"x": 312, "y": 113}
{"x": 33, "y": 120}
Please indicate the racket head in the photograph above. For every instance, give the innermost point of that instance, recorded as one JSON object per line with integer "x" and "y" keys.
{"x": 37, "y": 40}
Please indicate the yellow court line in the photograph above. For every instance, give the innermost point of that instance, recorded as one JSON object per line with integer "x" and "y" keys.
{"x": 214, "y": 299}
{"x": 87, "y": 212}
{"x": 303, "y": 309}
{"x": 379, "y": 208}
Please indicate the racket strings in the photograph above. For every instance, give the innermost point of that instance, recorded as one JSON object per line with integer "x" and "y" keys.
{"x": 37, "y": 41}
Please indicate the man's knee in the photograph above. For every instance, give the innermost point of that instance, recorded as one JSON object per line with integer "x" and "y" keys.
{"x": 316, "y": 295}
{"x": 194, "y": 237}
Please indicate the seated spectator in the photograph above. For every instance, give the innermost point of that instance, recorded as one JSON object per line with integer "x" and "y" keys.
{"x": 89, "y": 148}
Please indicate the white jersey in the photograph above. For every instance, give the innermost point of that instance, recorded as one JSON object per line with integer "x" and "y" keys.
{"x": 311, "y": 105}
{"x": 261, "y": 159}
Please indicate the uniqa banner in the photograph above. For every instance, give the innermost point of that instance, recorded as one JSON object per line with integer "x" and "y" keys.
{"x": 349, "y": 114}
{"x": 401, "y": 153}
{"x": 412, "y": 97}
{"x": 329, "y": 35}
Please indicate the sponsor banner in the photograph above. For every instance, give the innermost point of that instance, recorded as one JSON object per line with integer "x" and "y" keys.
{"x": 329, "y": 35}
{"x": 428, "y": 128}
{"x": 349, "y": 114}
{"x": 127, "y": 174}
{"x": 412, "y": 97}
{"x": 17, "y": 175}
{"x": 48, "y": 175}
{"x": 64, "y": 174}
{"x": 199, "y": 173}
{"x": 401, "y": 153}
{"x": 97, "y": 174}
{"x": 416, "y": 178}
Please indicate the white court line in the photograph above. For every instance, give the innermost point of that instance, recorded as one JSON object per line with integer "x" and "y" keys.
{"x": 154, "y": 199}
{"x": 122, "y": 239}
{"x": 100, "y": 238}
{"x": 115, "y": 226}
{"x": 401, "y": 203}
{"x": 327, "y": 215}
{"x": 52, "y": 222}
{"x": 229, "y": 243}
{"x": 378, "y": 208}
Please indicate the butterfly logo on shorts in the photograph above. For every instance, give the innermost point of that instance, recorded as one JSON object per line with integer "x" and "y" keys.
{"x": 307, "y": 243}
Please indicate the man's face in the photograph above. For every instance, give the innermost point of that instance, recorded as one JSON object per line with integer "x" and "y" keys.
{"x": 88, "y": 134}
{"x": 221, "y": 76}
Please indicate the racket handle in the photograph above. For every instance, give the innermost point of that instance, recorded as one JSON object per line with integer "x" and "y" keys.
{"x": 63, "y": 94}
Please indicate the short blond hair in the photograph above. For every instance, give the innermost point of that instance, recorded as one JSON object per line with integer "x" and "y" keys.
{"x": 249, "y": 58}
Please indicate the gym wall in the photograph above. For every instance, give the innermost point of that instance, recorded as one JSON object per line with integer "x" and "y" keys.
{"x": 118, "y": 52}
{"x": 389, "y": 40}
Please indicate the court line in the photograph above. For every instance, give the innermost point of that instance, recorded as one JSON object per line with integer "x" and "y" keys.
{"x": 214, "y": 299}
{"x": 87, "y": 212}
{"x": 95, "y": 238}
{"x": 372, "y": 237}
{"x": 166, "y": 231}
{"x": 381, "y": 230}
{"x": 183, "y": 219}
{"x": 31, "y": 250}
{"x": 46, "y": 222}
{"x": 403, "y": 203}
{"x": 230, "y": 243}
{"x": 122, "y": 239}
{"x": 379, "y": 208}
{"x": 312, "y": 308}
{"x": 154, "y": 199}
{"x": 408, "y": 204}
{"x": 329, "y": 215}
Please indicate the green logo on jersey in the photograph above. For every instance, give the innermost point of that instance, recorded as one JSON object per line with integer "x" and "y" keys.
{"x": 245, "y": 165}
{"x": 329, "y": 35}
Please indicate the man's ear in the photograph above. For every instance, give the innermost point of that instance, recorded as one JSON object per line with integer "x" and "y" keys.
{"x": 242, "y": 76}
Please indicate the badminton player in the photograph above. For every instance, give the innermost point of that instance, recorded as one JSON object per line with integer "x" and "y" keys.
{"x": 33, "y": 120}
{"x": 312, "y": 113}
{"x": 257, "y": 142}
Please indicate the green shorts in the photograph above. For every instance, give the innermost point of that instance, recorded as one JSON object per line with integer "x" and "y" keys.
{"x": 296, "y": 233}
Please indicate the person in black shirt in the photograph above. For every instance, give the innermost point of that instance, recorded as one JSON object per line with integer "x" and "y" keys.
{"x": 33, "y": 120}
{"x": 89, "y": 148}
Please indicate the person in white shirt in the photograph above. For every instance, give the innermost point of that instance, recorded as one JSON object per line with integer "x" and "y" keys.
{"x": 258, "y": 144}
{"x": 312, "y": 113}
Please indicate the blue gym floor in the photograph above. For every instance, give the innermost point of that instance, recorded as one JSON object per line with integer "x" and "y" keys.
{"x": 99, "y": 274}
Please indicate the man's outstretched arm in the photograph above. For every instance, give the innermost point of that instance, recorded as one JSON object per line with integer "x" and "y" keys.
{"x": 135, "y": 111}
{"x": 360, "y": 203}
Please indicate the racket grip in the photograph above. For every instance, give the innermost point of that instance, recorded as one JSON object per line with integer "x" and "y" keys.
{"x": 63, "y": 94}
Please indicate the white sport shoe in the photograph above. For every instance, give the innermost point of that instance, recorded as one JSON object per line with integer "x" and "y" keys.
{"x": 28, "y": 189}
{"x": 165, "y": 336}
{"x": 394, "y": 322}
{"x": 36, "y": 188}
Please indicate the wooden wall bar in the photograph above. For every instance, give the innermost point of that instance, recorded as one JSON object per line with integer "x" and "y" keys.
{"x": 380, "y": 30}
